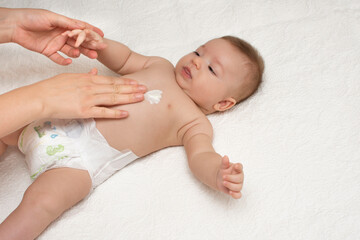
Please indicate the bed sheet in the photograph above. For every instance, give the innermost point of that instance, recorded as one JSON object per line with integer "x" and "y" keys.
{"x": 298, "y": 137}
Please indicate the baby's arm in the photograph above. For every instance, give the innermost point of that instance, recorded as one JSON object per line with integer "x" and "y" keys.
{"x": 207, "y": 165}
{"x": 116, "y": 56}
{"x": 121, "y": 59}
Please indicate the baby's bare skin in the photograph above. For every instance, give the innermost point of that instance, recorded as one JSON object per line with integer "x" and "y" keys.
{"x": 202, "y": 82}
{"x": 151, "y": 127}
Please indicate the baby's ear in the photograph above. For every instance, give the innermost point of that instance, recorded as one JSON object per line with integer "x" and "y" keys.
{"x": 224, "y": 104}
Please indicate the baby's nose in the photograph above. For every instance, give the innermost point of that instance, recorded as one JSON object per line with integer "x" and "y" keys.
{"x": 197, "y": 62}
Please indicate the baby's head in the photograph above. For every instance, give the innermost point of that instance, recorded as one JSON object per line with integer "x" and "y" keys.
{"x": 220, "y": 73}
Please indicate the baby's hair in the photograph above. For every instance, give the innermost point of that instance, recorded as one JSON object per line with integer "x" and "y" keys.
{"x": 257, "y": 62}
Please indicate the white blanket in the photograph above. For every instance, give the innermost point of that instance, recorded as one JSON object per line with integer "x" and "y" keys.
{"x": 298, "y": 137}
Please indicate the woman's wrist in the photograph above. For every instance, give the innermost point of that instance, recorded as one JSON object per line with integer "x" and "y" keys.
{"x": 7, "y": 25}
{"x": 38, "y": 101}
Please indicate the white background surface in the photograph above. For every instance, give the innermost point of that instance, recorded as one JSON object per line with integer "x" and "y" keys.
{"x": 298, "y": 138}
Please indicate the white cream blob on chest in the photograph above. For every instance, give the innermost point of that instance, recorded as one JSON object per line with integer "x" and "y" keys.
{"x": 153, "y": 96}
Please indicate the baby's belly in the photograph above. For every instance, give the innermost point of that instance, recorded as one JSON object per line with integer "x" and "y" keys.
{"x": 149, "y": 127}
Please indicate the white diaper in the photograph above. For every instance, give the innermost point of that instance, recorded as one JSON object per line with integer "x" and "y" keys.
{"x": 56, "y": 143}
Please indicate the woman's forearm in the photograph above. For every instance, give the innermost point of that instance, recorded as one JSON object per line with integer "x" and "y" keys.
{"x": 17, "y": 109}
{"x": 6, "y": 25}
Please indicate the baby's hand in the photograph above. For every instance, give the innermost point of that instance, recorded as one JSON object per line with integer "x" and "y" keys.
{"x": 86, "y": 38}
{"x": 230, "y": 178}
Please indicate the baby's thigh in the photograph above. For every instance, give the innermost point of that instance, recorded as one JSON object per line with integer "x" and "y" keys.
{"x": 60, "y": 188}
{"x": 12, "y": 138}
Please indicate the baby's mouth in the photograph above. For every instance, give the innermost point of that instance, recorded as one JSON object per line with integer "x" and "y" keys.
{"x": 186, "y": 72}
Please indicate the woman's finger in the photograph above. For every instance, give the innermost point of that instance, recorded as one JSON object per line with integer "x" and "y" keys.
{"x": 116, "y": 99}
{"x": 119, "y": 89}
{"x": 57, "y": 58}
{"x": 70, "y": 51}
{"x": 88, "y": 26}
{"x": 113, "y": 80}
{"x": 60, "y": 21}
{"x": 103, "y": 112}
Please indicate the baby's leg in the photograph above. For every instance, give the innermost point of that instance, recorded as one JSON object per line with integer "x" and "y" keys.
{"x": 9, "y": 140}
{"x": 3, "y": 147}
{"x": 47, "y": 197}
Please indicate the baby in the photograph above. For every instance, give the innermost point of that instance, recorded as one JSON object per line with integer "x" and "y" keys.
{"x": 68, "y": 158}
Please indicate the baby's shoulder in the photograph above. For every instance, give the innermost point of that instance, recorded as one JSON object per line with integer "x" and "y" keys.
{"x": 199, "y": 125}
{"x": 158, "y": 62}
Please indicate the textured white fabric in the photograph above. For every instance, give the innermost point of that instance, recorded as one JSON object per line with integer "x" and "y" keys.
{"x": 298, "y": 138}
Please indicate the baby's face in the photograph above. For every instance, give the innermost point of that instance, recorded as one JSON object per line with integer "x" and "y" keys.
{"x": 210, "y": 74}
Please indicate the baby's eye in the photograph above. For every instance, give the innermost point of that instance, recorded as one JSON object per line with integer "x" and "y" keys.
{"x": 196, "y": 53}
{"x": 212, "y": 70}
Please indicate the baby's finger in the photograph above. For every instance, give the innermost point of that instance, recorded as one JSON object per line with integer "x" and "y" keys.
{"x": 235, "y": 195}
{"x": 225, "y": 162}
{"x": 87, "y": 52}
{"x": 80, "y": 39}
{"x": 93, "y": 71}
{"x": 238, "y": 167}
{"x": 233, "y": 186}
{"x": 236, "y": 178}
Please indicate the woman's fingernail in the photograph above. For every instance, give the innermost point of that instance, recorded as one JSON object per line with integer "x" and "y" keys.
{"x": 133, "y": 82}
{"x": 121, "y": 114}
{"x": 141, "y": 88}
{"x": 139, "y": 96}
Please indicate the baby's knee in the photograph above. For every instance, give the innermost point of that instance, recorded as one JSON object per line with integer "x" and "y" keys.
{"x": 42, "y": 203}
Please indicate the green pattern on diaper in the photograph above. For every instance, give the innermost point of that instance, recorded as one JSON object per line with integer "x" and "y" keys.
{"x": 22, "y": 137}
{"x": 52, "y": 150}
{"x": 36, "y": 173}
{"x": 39, "y": 131}
{"x": 44, "y": 166}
